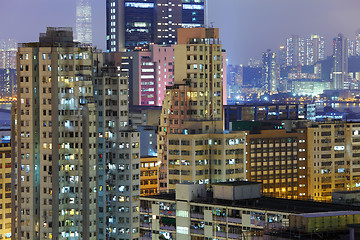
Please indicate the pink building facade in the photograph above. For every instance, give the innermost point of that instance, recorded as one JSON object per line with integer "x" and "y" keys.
{"x": 149, "y": 74}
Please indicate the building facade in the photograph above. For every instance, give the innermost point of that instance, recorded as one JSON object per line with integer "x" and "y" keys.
{"x": 135, "y": 24}
{"x": 269, "y": 72}
{"x": 5, "y": 181}
{"x": 315, "y": 49}
{"x": 278, "y": 159}
{"x": 8, "y": 51}
{"x": 295, "y": 51}
{"x": 118, "y": 152}
{"x": 333, "y": 148}
{"x": 237, "y": 211}
{"x": 54, "y": 141}
{"x": 194, "y": 104}
{"x": 83, "y": 21}
{"x": 149, "y": 171}
{"x": 149, "y": 73}
{"x": 340, "y": 54}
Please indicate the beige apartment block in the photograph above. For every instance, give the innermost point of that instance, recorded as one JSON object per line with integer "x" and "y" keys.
{"x": 5, "y": 190}
{"x": 334, "y": 158}
{"x": 54, "y": 140}
{"x": 194, "y": 104}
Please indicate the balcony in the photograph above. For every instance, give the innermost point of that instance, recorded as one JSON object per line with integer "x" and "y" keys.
{"x": 234, "y": 220}
{"x": 145, "y": 225}
{"x": 197, "y": 215}
{"x": 167, "y": 227}
{"x": 197, "y": 231}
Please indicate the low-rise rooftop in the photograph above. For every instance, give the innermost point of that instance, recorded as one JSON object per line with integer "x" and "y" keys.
{"x": 266, "y": 203}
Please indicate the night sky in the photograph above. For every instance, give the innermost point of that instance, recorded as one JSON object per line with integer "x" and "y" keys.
{"x": 247, "y": 27}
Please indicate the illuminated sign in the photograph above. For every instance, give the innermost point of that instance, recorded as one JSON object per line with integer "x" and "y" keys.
{"x": 193, "y": 7}
{"x": 139, "y": 5}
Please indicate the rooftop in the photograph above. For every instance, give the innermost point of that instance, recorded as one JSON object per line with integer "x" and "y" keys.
{"x": 236, "y": 183}
{"x": 347, "y": 192}
{"x": 267, "y": 203}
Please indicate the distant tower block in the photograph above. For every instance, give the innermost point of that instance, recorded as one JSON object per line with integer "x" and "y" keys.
{"x": 83, "y": 21}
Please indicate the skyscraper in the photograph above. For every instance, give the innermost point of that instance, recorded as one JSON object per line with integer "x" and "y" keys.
{"x": 135, "y": 24}
{"x": 351, "y": 48}
{"x": 340, "y": 51}
{"x": 54, "y": 140}
{"x": 281, "y": 56}
{"x": 357, "y": 44}
{"x": 269, "y": 69}
{"x": 169, "y": 19}
{"x": 315, "y": 49}
{"x": 83, "y": 21}
{"x": 8, "y": 51}
{"x": 295, "y": 51}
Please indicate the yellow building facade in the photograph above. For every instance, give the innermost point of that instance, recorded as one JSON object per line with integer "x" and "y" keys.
{"x": 5, "y": 191}
{"x": 149, "y": 170}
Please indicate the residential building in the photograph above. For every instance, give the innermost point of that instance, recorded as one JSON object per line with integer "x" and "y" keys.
{"x": 149, "y": 73}
{"x": 118, "y": 153}
{"x": 315, "y": 49}
{"x": 278, "y": 159}
{"x": 54, "y": 140}
{"x": 144, "y": 116}
{"x": 340, "y": 71}
{"x": 148, "y": 140}
{"x": 269, "y": 72}
{"x": 295, "y": 51}
{"x": 236, "y": 210}
{"x": 135, "y": 24}
{"x": 192, "y": 116}
{"x": 234, "y": 82}
{"x": 5, "y": 196}
{"x": 149, "y": 171}
{"x": 83, "y": 21}
{"x": 281, "y": 57}
{"x": 334, "y": 158}
{"x": 357, "y": 44}
{"x": 205, "y": 158}
{"x": 267, "y": 111}
{"x": 8, "y": 51}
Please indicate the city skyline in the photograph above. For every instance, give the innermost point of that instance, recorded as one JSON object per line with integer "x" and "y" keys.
{"x": 326, "y": 18}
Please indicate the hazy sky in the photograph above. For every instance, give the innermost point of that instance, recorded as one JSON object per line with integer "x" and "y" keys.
{"x": 247, "y": 27}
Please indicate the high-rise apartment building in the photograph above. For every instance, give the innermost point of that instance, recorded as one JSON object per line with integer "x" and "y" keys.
{"x": 83, "y": 21}
{"x": 334, "y": 150}
{"x": 5, "y": 196}
{"x": 301, "y": 51}
{"x": 118, "y": 153}
{"x": 315, "y": 49}
{"x": 54, "y": 140}
{"x": 191, "y": 143}
{"x": 281, "y": 57}
{"x": 269, "y": 71}
{"x": 295, "y": 51}
{"x": 8, "y": 51}
{"x": 357, "y": 44}
{"x": 340, "y": 71}
{"x": 351, "y": 48}
{"x": 134, "y": 24}
{"x": 149, "y": 73}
